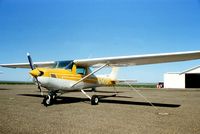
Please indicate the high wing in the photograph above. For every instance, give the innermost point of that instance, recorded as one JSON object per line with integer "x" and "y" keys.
{"x": 27, "y": 65}
{"x": 140, "y": 59}
{"x": 120, "y": 61}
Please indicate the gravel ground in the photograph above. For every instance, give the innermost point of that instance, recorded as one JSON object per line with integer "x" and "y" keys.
{"x": 173, "y": 112}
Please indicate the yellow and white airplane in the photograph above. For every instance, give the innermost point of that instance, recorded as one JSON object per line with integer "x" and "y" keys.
{"x": 72, "y": 75}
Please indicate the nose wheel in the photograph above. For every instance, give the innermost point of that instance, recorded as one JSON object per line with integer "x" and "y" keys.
{"x": 49, "y": 99}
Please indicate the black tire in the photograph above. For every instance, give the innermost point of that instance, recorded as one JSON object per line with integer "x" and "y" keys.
{"x": 93, "y": 89}
{"x": 54, "y": 98}
{"x": 94, "y": 100}
{"x": 48, "y": 100}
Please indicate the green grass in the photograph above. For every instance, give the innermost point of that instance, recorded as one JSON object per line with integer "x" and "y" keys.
{"x": 16, "y": 83}
{"x": 139, "y": 85}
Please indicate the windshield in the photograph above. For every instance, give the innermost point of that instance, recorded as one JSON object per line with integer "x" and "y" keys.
{"x": 64, "y": 64}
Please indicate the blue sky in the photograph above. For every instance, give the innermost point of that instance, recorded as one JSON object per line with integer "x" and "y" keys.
{"x": 76, "y": 29}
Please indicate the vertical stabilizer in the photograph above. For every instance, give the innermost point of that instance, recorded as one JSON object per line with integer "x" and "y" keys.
{"x": 114, "y": 73}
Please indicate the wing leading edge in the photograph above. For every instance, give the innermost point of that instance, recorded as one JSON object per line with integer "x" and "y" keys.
{"x": 120, "y": 61}
{"x": 27, "y": 65}
{"x": 141, "y": 59}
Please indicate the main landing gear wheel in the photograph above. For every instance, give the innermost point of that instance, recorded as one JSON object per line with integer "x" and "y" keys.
{"x": 94, "y": 100}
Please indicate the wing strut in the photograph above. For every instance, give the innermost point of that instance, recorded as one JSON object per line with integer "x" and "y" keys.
{"x": 96, "y": 70}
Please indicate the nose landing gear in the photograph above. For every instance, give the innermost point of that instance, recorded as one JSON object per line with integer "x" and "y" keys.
{"x": 49, "y": 99}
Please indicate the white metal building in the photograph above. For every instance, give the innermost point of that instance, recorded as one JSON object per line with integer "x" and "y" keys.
{"x": 187, "y": 79}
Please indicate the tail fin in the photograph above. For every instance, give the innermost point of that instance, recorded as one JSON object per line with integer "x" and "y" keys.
{"x": 114, "y": 73}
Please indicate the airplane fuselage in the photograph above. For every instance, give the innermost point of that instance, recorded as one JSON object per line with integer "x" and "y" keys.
{"x": 64, "y": 79}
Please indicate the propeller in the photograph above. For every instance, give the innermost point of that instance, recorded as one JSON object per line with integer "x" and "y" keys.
{"x": 30, "y": 61}
{"x": 33, "y": 68}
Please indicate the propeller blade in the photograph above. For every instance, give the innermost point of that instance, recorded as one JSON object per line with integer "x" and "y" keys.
{"x": 33, "y": 67}
{"x": 38, "y": 84}
{"x": 30, "y": 61}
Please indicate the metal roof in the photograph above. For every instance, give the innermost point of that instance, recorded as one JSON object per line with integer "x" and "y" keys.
{"x": 184, "y": 72}
{"x": 191, "y": 69}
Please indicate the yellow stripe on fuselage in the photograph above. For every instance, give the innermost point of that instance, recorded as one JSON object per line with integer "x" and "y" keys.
{"x": 69, "y": 75}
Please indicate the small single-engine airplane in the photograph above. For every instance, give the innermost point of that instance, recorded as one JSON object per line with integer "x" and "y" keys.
{"x": 72, "y": 75}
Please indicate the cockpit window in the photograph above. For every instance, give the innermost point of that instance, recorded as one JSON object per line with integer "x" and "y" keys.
{"x": 64, "y": 64}
{"x": 81, "y": 70}
{"x": 69, "y": 65}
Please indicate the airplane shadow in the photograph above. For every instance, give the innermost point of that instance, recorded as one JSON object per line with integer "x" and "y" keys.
{"x": 140, "y": 103}
{"x": 88, "y": 91}
{"x": 32, "y": 95}
{"x": 4, "y": 89}
{"x": 97, "y": 91}
{"x": 69, "y": 100}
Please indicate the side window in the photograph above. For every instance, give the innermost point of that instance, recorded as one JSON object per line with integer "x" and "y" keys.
{"x": 81, "y": 70}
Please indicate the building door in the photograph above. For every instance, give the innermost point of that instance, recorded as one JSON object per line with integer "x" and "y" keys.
{"x": 192, "y": 80}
